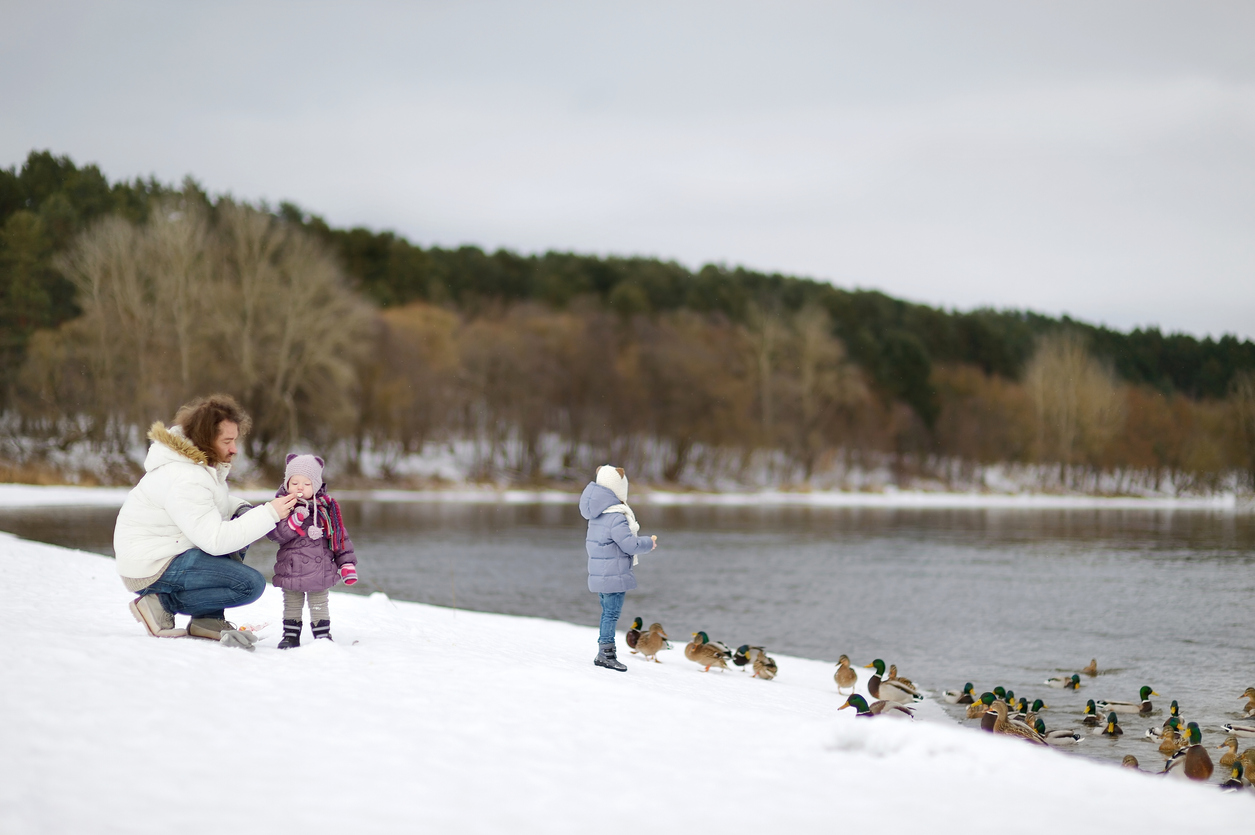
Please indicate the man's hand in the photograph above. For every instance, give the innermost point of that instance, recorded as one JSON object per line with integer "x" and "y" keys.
{"x": 284, "y": 504}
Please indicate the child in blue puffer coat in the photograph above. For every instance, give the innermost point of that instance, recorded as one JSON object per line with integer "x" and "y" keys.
{"x": 612, "y": 544}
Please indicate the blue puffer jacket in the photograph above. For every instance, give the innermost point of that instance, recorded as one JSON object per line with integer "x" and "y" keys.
{"x": 610, "y": 542}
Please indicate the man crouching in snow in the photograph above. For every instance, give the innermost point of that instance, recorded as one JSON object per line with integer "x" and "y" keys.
{"x": 180, "y": 536}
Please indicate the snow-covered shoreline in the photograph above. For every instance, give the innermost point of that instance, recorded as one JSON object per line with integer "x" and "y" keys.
{"x": 27, "y": 495}
{"x": 432, "y": 719}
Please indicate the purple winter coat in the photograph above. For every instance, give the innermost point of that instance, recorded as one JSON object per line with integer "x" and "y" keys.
{"x": 305, "y": 564}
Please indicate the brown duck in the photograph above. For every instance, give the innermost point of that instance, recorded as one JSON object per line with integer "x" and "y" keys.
{"x": 845, "y": 676}
{"x": 701, "y": 651}
{"x": 652, "y": 642}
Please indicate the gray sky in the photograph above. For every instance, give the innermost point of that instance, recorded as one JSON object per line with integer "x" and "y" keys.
{"x": 1094, "y": 158}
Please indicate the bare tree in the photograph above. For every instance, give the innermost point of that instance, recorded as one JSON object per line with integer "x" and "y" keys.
{"x": 1077, "y": 401}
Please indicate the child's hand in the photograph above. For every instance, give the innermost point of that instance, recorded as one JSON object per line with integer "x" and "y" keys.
{"x": 348, "y": 573}
{"x": 655, "y": 539}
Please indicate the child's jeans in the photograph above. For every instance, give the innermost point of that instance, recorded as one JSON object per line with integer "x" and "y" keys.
{"x": 611, "y": 606}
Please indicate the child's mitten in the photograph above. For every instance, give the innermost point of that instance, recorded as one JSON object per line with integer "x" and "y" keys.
{"x": 296, "y": 518}
{"x": 348, "y": 573}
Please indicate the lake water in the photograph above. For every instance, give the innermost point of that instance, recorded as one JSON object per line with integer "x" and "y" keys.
{"x": 1006, "y": 597}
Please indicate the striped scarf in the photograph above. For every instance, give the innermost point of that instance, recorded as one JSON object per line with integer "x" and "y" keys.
{"x": 331, "y": 522}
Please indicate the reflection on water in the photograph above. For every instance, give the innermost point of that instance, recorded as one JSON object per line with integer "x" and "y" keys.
{"x": 1007, "y": 597}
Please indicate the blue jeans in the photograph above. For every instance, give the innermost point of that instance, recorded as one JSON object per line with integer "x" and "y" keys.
{"x": 202, "y": 585}
{"x": 611, "y": 607}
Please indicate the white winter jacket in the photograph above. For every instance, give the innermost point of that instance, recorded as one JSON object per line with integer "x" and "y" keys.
{"x": 181, "y": 503}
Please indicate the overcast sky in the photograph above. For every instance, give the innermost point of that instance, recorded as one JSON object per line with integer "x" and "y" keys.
{"x": 1094, "y": 158}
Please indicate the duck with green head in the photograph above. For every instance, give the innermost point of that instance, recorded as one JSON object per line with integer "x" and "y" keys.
{"x": 960, "y": 697}
{"x": 1237, "y": 780}
{"x": 877, "y": 708}
{"x": 1113, "y": 725}
{"x": 1143, "y": 707}
{"x": 634, "y": 634}
{"x": 1057, "y": 738}
{"x": 1091, "y": 714}
{"x": 891, "y": 691}
{"x": 981, "y": 706}
{"x": 1192, "y": 761}
{"x": 1070, "y": 683}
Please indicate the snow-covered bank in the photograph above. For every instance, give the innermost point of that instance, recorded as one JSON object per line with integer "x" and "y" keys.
{"x": 430, "y": 719}
{"x": 26, "y": 495}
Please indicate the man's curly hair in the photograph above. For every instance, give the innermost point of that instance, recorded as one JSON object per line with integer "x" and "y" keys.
{"x": 201, "y": 418}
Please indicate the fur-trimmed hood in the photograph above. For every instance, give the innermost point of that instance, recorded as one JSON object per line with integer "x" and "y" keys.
{"x": 171, "y": 446}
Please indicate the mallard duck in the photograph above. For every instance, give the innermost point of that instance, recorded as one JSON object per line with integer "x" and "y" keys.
{"x": 1091, "y": 669}
{"x": 1130, "y": 761}
{"x": 980, "y": 707}
{"x": 1239, "y": 730}
{"x": 893, "y": 676}
{"x": 700, "y": 650}
{"x": 1174, "y": 712}
{"x": 892, "y": 691}
{"x": 764, "y": 665}
{"x": 1170, "y": 727}
{"x": 1024, "y": 712}
{"x": 1003, "y": 725}
{"x": 1249, "y": 695}
{"x": 1143, "y": 707}
{"x": 1091, "y": 717}
{"x": 1236, "y": 780}
{"x": 1000, "y": 692}
{"x": 1230, "y": 758}
{"x": 742, "y": 656}
{"x": 653, "y": 642}
{"x": 960, "y": 697}
{"x": 1072, "y": 683}
{"x": 1192, "y": 761}
{"x": 1247, "y": 758}
{"x": 1059, "y": 738}
{"x": 633, "y": 635}
{"x": 1113, "y": 725}
{"x": 1009, "y": 698}
{"x": 1170, "y": 742}
{"x": 877, "y": 708}
{"x": 845, "y": 676}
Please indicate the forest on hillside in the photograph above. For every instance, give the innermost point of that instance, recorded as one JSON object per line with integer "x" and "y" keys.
{"x": 119, "y": 301}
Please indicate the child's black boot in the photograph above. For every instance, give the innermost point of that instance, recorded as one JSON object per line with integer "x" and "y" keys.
{"x": 606, "y": 658}
{"x": 291, "y": 634}
{"x": 321, "y": 629}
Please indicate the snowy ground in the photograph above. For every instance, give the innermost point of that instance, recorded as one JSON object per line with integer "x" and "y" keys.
{"x": 27, "y": 495}
{"x": 427, "y": 719}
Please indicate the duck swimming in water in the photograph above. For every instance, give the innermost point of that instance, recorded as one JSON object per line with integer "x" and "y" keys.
{"x": 1143, "y": 707}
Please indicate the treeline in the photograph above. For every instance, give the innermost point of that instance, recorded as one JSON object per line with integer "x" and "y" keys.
{"x": 118, "y": 301}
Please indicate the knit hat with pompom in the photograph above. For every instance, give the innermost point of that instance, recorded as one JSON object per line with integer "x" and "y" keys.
{"x": 309, "y": 466}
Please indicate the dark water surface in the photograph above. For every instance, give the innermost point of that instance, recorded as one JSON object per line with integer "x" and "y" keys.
{"x": 1006, "y": 597}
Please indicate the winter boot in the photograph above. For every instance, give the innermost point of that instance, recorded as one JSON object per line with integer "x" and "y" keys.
{"x": 291, "y": 634}
{"x": 221, "y": 630}
{"x": 606, "y": 658}
{"x": 321, "y": 629}
{"x": 159, "y": 623}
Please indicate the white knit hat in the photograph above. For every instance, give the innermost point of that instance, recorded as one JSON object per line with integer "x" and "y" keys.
{"x": 615, "y": 479}
{"x": 309, "y": 466}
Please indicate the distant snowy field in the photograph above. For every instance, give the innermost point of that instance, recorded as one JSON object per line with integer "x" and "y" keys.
{"x": 425, "y": 719}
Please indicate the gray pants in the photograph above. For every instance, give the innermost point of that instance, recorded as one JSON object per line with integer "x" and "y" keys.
{"x": 294, "y": 601}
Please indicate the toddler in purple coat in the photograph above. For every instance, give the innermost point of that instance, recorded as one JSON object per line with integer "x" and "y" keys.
{"x": 314, "y": 550}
